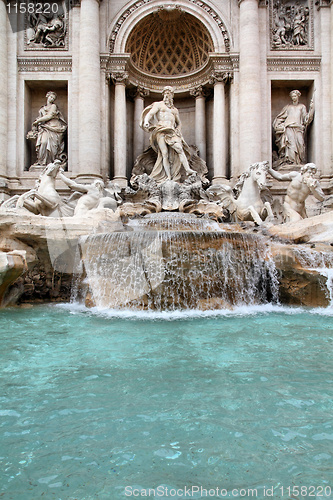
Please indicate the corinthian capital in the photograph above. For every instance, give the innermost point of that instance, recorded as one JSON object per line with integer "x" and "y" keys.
{"x": 119, "y": 77}
{"x": 220, "y": 77}
{"x": 142, "y": 92}
{"x": 199, "y": 91}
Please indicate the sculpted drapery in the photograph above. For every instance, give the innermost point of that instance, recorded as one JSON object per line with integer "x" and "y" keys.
{"x": 290, "y": 127}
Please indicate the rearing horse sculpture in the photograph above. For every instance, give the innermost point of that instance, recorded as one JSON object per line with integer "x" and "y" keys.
{"x": 249, "y": 204}
{"x": 43, "y": 199}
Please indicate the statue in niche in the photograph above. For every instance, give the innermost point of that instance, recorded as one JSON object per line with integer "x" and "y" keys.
{"x": 161, "y": 120}
{"x": 49, "y": 130}
{"x": 289, "y": 127}
{"x": 46, "y": 29}
{"x": 290, "y": 25}
{"x": 302, "y": 184}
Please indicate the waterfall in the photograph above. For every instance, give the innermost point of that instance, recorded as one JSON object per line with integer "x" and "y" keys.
{"x": 177, "y": 261}
{"x": 319, "y": 261}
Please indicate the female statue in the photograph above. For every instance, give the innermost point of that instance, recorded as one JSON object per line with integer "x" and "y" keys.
{"x": 49, "y": 130}
{"x": 290, "y": 127}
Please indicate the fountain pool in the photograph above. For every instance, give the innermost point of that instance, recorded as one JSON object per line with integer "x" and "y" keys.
{"x": 105, "y": 405}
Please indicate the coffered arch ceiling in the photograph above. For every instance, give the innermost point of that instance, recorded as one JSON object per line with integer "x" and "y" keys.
{"x": 169, "y": 42}
{"x": 181, "y": 44}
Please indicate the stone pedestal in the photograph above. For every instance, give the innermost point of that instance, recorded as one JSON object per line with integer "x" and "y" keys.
{"x": 3, "y": 90}
{"x": 249, "y": 89}
{"x": 120, "y": 130}
{"x": 89, "y": 91}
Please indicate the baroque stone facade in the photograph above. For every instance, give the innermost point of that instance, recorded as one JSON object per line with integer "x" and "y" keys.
{"x": 232, "y": 64}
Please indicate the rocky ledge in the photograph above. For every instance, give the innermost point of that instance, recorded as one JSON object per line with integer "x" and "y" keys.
{"x": 38, "y": 256}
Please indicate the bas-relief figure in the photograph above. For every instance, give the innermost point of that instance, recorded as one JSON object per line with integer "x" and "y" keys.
{"x": 49, "y": 130}
{"x": 290, "y": 25}
{"x": 248, "y": 205}
{"x": 161, "y": 120}
{"x": 46, "y": 30}
{"x": 302, "y": 184}
{"x": 289, "y": 127}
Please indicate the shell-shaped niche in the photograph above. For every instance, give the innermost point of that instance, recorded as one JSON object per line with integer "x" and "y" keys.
{"x": 169, "y": 42}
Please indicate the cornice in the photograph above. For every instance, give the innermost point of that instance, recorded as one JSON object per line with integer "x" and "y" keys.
{"x": 290, "y": 63}
{"x": 44, "y": 64}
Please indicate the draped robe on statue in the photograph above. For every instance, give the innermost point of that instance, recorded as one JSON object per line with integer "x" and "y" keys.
{"x": 50, "y": 140}
{"x": 289, "y": 127}
{"x": 173, "y": 138}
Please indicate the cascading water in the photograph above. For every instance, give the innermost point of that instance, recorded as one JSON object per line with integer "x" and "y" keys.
{"x": 320, "y": 262}
{"x": 174, "y": 261}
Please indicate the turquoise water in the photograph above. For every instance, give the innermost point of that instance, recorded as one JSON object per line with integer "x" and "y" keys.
{"x": 104, "y": 406}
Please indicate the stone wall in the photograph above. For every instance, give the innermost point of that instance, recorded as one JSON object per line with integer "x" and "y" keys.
{"x": 244, "y": 81}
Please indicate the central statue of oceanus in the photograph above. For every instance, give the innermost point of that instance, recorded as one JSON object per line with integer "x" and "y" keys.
{"x": 161, "y": 120}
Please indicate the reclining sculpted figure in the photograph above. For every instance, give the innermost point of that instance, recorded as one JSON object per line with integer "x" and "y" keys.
{"x": 302, "y": 184}
{"x": 92, "y": 196}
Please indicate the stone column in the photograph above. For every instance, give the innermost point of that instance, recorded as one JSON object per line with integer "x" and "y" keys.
{"x": 325, "y": 128}
{"x": 331, "y": 7}
{"x": 120, "y": 130}
{"x": 3, "y": 91}
{"x": 138, "y": 132}
{"x": 249, "y": 89}
{"x": 219, "y": 135}
{"x": 200, "y": 120}
{"x": 89, "y": 91}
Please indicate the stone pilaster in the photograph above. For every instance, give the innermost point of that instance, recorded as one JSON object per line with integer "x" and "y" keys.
{"x": 120, "y": 131}
{"x": 89, "y": 91}
{"x": 3, "y": 92}
{"x": 249, "y": 88}
{"x": 331, "y": 162}
{"x": 200, "y": 120}
{"x": 219, "y": 135}
{"x": 325, "y": 127}
{"x": 138, "y": 132}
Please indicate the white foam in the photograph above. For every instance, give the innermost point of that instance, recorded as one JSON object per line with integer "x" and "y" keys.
{"x": 188, "y": 314}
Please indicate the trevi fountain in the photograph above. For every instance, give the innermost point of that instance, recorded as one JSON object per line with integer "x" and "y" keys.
{"x": 166, "y": 249}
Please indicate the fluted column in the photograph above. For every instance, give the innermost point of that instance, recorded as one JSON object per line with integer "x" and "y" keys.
{"x": 120, "y": 130}
{"x": 200, "y": 120}
{"x": 331, "y": 7}
{"x": 138, "y": 132}
{"x": 89, "y": 91}
{"x": 3, "y": 89}
{"x": 326, "y": 95}
{"x": 249, "y": 89}
{"x": 219, "y": 135}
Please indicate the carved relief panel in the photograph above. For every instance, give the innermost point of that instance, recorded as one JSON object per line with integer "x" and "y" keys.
{"x": 46, "y": 25}
{"x": 291, "y": 24}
